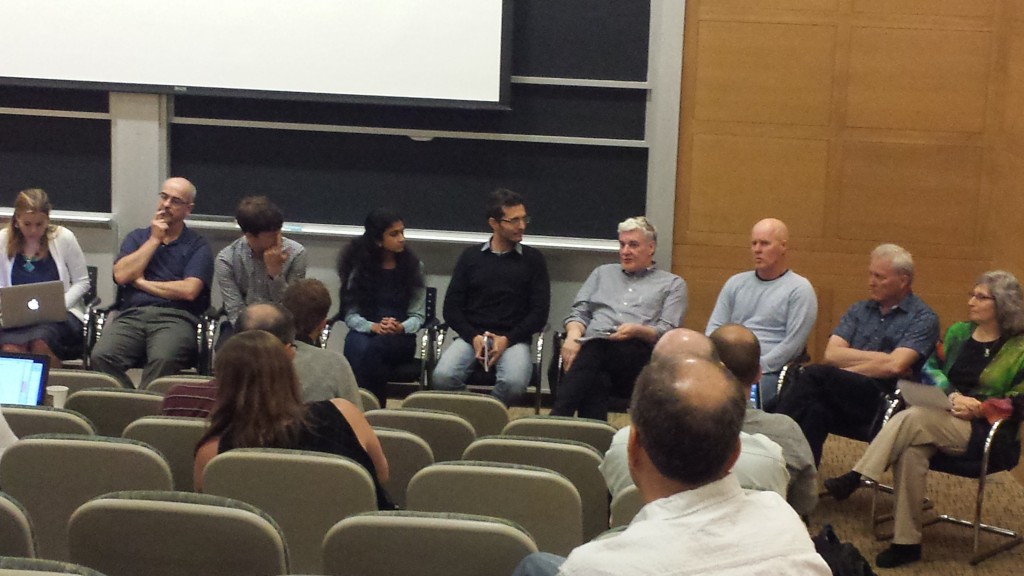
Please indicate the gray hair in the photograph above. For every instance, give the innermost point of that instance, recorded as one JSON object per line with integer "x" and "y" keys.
{"x": 639, "y": 223}
{"x": 1009, "y": 300}
{"x": 899, "y": 259}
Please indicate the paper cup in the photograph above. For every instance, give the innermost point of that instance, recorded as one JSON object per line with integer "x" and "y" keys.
{"x": 59, "y": 395}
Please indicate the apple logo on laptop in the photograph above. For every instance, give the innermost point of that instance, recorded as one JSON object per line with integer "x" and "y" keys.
{"x": 33, "y": 304}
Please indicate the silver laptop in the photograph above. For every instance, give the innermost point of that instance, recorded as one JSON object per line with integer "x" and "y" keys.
{"x": 30, "y": 304}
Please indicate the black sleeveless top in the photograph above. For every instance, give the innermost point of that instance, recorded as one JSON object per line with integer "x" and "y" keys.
{"x": 328, "y": 431}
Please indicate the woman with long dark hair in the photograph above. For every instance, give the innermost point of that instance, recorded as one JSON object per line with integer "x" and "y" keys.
{"x": 383, "y": 296}
{"x": 259, "y": 406}
{"x": 34, "y": 250}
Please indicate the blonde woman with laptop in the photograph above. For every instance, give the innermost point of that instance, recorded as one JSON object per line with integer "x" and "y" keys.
{"x": 34, "y": 250}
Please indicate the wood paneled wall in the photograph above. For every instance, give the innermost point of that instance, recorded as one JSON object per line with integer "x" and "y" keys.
{"x": 857, "y": 122}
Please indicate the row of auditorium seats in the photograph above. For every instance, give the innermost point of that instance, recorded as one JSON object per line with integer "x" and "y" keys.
{"x": 55, "y": 475}
{"x": 411, "y": 440}
{"x": 175, "y": 534}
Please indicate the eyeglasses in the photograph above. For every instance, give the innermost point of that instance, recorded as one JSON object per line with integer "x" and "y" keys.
{"x": 980, "y": 296}
{"x": 524, "y": 220}
{"x": 175, "y": 201}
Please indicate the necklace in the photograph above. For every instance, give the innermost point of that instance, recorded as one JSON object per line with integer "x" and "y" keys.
{"x": 30, "y": 261}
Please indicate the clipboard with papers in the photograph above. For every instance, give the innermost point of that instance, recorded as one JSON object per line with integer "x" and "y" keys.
{"x": 926, "y": 395}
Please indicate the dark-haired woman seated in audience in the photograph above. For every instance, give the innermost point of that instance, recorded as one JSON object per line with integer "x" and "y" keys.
{"x": 983, "y": 367}
{"x": 33, "y": 250}
{"x": 259, "y": 406}
{"x": 383, "y": 296}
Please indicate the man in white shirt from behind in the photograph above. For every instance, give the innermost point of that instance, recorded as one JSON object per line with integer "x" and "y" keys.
{"x": 687, "y": 413}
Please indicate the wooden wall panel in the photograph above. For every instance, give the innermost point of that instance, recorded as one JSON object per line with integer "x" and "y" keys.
{"x": 1012, "y": 124}
{"x": 976, "y": 8}
{"x": 918, "y": 193}
{"x": 930, "y": 80}
{"x": 747, "y": 6}
{"x": 760, "y": 72}
{"x": 787, "y": 176}
{"x": 857, "y": 122}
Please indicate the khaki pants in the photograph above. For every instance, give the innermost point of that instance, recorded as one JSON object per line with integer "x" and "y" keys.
{"x": 906, "y": 443}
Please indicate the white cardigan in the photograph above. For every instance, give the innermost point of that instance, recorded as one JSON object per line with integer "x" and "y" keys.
{"x": 70, "y": 260}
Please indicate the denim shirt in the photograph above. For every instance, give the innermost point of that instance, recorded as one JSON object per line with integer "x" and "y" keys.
{"x": 910, "y": 324}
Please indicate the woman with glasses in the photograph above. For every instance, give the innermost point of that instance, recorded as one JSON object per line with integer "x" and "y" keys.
{"x": 33, "y": 250}
{"x": 259, "y": 406}
{"x": 983, "y": 367}
{"x": 383, "y": 297}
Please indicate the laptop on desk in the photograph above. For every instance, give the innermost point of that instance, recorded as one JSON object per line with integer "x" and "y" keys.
{"x": 30, "y": 304}
{"x": 23, "y": 378}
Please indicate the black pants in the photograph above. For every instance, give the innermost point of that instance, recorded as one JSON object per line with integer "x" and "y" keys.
{"x": 828, "y": 400}
{"x": 601, "y": 368}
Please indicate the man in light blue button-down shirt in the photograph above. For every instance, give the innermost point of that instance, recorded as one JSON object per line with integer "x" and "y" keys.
{"x": 619, "y": 313}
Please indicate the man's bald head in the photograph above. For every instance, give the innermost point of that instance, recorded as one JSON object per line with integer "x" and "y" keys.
{"x": 687, "y": 414}
{"x": 683, "y": 341}
{"x": 272, "y": 318}
{"x": 740, "y": 351}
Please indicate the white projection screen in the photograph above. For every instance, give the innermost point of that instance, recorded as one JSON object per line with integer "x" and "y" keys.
{"x": 434, "y": 52}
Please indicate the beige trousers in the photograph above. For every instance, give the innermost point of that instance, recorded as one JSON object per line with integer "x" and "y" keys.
{"x": 906, "y": 443}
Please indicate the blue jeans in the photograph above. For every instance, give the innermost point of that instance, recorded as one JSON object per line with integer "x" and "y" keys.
{"x": 767, "y": 388}
{"x": 539, "y": 564}
{"x": 512, "y": 370}
{"x": 371, "y": 354}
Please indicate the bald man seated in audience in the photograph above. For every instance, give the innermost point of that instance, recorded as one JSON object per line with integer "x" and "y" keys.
{"x": 740, "y": 352}
{"x": 687, "y": 413}
{"x": 196, "y": 400}
{"x": 761, "y": 465}
{"x": 775, "y": 303}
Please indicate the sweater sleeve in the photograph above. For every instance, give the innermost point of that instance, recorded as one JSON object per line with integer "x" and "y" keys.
{"x": 455, "y": 298}
{"x": 540, "y": 301}
{"x": 802, "y": 313}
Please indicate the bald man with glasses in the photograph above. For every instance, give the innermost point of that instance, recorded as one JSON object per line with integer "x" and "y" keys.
{"x": 163, "y": 274}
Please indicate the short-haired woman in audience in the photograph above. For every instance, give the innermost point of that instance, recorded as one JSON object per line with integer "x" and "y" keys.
{"x": 984, "y": 362}
{"x": 383, "y": 296}
{"x": 33, "y": 250}
{"x": 259, "y": 406}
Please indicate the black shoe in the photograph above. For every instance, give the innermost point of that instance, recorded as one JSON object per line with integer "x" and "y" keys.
{"x": 898, "y": 555}
{"x": 841, "y": 487}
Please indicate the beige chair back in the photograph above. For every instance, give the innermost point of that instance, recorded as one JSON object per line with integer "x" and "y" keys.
{"x": 11, "y": 566}
{"x": 597, "y": 433}
{"x": 486, "y": 413}
{"x": 447, "y": 434}
{"x": 544, "y": 503}
{"x": 175, "y": 534}
{"x": 77, "y": 380}
{"x": 53, "y": 474}
{"x": 625, "y": 506}
{"x": 369, "y": 399}
{"x": 407, "y": 454}
{"x": 424, "y": 544}
{"x": 16, "y": 537}
{"x": 163, "y": 384}
{"x": 29, "y": 420}
{"x": 112, "y": 410}
{"x": 176, "y": 438}
{"x": 305, "y": 492}
{"x": 576, "y": 461}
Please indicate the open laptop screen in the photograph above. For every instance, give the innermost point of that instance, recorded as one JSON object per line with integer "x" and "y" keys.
{"x": 23, "y": 378}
